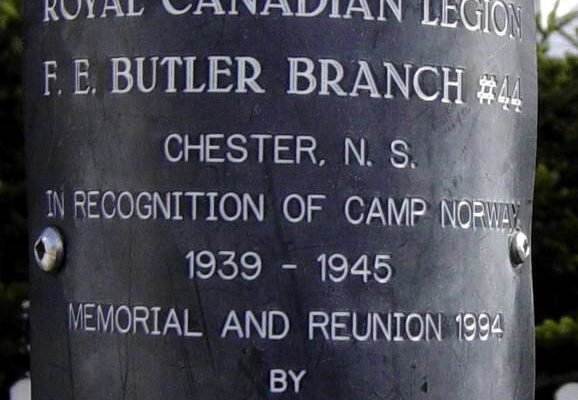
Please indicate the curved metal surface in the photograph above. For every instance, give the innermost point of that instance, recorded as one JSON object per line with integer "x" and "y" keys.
{"x": 430, "y": 306}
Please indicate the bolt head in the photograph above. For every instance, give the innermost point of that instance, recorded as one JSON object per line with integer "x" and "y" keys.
{"x": 519, "y": 248}
{"x": 49, "y": 250}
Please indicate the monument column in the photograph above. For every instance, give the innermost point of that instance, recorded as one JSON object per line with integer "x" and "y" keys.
{"x": 281, "y": 199}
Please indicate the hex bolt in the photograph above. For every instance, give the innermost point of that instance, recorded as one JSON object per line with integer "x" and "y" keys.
{"x": 519, "y": 248}
{"x": 49, "y": 250}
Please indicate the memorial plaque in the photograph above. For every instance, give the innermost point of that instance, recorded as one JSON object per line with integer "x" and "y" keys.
{"x": 281, "y": 199}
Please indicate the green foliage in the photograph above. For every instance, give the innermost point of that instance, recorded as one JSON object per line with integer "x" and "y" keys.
{"x": 556, "y": 347}
{"x": 13, "y": 253}
{"x": 12, "y": 345}
{"x": 555, "y": 234}
{"x": 556, "y": 198}
{"x": 13, "y": 248}
{"x": 553, "y": 333}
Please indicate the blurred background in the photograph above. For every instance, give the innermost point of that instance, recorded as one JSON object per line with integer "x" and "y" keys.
{"x": 555, "y": 234}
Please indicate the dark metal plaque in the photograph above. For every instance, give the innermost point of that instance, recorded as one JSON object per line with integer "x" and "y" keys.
{"x": 281, "y": 199}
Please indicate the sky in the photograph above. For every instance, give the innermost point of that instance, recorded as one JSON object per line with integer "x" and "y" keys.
{"x": 558, "y": 44}
{"x": 565, "y": 5}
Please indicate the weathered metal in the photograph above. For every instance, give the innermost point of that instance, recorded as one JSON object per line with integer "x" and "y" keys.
{"x": 302, "y": 202}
